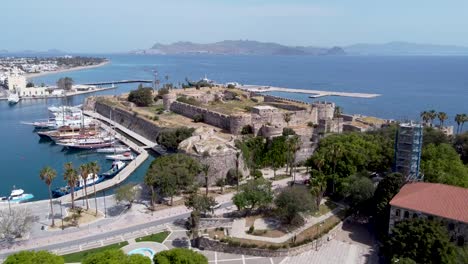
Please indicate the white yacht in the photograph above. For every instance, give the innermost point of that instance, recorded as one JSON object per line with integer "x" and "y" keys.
{"x": 124, "y": 156}
{"x": 13, "y": 98}
{"x": 114, "y": 149}
{"x": 17, "y": 196}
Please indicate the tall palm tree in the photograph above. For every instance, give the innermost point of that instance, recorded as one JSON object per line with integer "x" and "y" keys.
{"x": 463, "y": 120}
{"x": 459, "y": 120}
{"x": 71, "y": 177}
{"x": 205, "y": 168}
{"x": 318, "y": 185}
{"x": 47, "y": 175}
{"x": 425, "y": 117}
{"x": 237, "y": 169}
{"x": 94, "y": 170}
{"x": 338, "y": 111}
{"x": 432, "y": 115}
{"x": 84, "y": 173}
{"x": 294, "y": 144}
{"x": 442, "y": 117}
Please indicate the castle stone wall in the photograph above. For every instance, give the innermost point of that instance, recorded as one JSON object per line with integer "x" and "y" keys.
{"x": 210, "y": 117}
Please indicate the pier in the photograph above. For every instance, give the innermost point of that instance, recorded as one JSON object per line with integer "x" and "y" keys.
{"x": 119, "y": 82}
{"x": 130, "y": 168}
{"x": 315, "y": 93}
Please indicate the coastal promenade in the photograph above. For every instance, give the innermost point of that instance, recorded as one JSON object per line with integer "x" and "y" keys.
{"x": 315, "y": 93}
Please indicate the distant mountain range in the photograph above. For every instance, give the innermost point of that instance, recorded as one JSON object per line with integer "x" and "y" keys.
{"x": 405, "y": 48}
{"x": 50, "y": 51}
{"x": 238, "y": 47}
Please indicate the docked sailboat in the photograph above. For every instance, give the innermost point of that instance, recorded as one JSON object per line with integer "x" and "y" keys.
{"x": 68, "y": 132}
{"x": 90, "y": 181}
{"x": 17, "y": 196}
{"x": 13, "y": 98}
{"x": 116, "y": 167}
{"x": 87, "y": 143}
{"x": 125, "y": 156}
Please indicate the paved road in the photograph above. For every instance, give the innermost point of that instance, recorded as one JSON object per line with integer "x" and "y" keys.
{"x": 111, "y": 234}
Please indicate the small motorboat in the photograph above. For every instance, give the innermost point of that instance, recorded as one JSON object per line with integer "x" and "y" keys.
{"x": 115, "y": 150}
{"x": 17, "y": 196}
{"x": 13, "y": 98}
{"x": 124, "y": 156}
{"x": 116, "y": 167}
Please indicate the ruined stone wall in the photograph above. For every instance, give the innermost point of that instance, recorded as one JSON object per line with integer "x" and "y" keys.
{"x": 272, "y": 98}
{"x": 129, "y": 120}
{"x": 168, "y": 99}
{"x": 238, "y": 122}
{"x": 210, "y": 117}
{"x": 325, "y": 110}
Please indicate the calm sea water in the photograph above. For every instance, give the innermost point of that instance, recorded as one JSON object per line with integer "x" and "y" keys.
{"x": 408, "y": 86}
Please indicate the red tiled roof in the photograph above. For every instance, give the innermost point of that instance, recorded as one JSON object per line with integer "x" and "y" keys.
{"x": 437, "y": 199}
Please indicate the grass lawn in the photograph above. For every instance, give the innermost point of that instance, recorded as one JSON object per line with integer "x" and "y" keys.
{"x": 159, "y": 237}
{"x": 79, "y": 256}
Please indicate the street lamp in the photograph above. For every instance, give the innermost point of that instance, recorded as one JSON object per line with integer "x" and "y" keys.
{"x": 318, "y": 235}
{"x": 105, "y": 209}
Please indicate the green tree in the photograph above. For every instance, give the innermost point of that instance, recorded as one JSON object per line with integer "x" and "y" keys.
{"x": 65, "y": 83}
{"x": 434, "y": 136}
{"x": 358, "y": 189}
{"x": 33, "y": 257}
{"x": 276, "y": 155}
{"x": 318, "y": 185}
{"x": 458, "y": 120}
{"x": 442, "y": 164}
{"x": 179, "y": 255}
{"x": 141, "y": 96}
{"x": 461, "y": 146}
{"x": 126, "y": 193}
{"x": 293, "y": 144}
{"x": 171, "y": 138}
{"x": 94, "y": 170}
{"x": 115, "y": 256}
{"x": 173, "y": 173}
{"x": 205, "y": 169}
{"x": 421, "y": 240}
{"x": 199, "y": 204}
{"x": 292, "y": 201}
{"x": 71, "y": 177}
{"x": 388, "y": 187}
{"x": 255, "y": 193}
{"x": 48, "y": 175}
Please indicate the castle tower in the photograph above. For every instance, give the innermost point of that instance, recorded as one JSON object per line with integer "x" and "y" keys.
{"x": 168, "y": 99}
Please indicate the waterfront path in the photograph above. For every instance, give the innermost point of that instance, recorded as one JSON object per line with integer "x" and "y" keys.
{"x": 148, "y": 143}
{"x": 315, "y": 93}
{"x": 126, "y": 172}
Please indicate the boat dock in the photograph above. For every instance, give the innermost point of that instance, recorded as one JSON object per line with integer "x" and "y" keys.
{"x": 315, "y": 93}
{"x": 130, "y": 168}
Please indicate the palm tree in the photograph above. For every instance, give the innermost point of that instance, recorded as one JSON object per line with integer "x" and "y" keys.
{"x": 425, "y": 117}
{"x": 463, "y": 120}
{"x": 442, "y": 117}
{"x": 338, "y": 111}
{"x": 293, "y": 146}
{"x": 84, "y": 173}
{"x": 432, "y": 115}
{"x": 287, "y": 118}
{"x": 71, "y": 177}
{"x": 94, "y": 170}
{"x": 205, "y": 168}
{"x": 459, "y": 120}
{"x": 47, "y": 175}
{"x": 237, "y": 169}
{"x": 318, "y": 183}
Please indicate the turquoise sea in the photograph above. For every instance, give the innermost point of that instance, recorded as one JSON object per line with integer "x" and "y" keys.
{"x": 408, "y": 86}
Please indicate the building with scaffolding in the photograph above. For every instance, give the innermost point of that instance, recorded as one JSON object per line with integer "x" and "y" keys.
{"x": 408, "y": 145}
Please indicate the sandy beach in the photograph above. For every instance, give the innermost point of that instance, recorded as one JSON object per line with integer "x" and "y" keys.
{"x": 34, "y": 75}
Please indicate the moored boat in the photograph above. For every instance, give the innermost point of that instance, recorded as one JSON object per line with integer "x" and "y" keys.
{"x": 13, "y": 98}
{"x": 17, "y": 196}
{"x": 124, "y": 156}
{"x": 87, "y": 143}
{"x": 115, "y": 149}
{"x": 116, "y": 167}
{"x": 90, "y": 181}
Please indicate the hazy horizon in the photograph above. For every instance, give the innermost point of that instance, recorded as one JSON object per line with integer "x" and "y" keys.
{"x": 120, "y": 26}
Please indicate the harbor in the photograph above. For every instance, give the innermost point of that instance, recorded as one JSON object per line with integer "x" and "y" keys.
{"x": 315, "y": 93}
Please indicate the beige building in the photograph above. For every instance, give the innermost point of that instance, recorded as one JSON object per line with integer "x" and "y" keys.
{"x": 445, "y": 203}
{"x": 33, "y": 91}
{"x": 16, "y": 82}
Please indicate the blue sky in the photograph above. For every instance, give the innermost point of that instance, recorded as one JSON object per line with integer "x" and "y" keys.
{"x": 122, "y": 25}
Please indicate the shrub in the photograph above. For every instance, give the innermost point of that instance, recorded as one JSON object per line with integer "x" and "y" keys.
{"x": 188, "y": 100}
{"x": 310, "y": 124}
{"x": 231, "y": 86}
{"x": 180, "y": 255}
{"x": 171, "y": 138}
{"x": 257, "y": 174}
{"x": 247, "y": 129}
{"x": 141, "y": 96}
{"x": 198, "y": 118}
{"x": 288, "y": 132}
{"x": 251, "y": 229}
